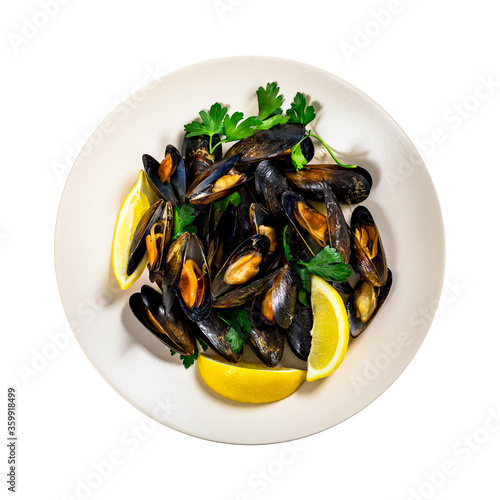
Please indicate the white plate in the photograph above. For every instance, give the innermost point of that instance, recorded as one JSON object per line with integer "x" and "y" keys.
{"x": 403, "y": 202}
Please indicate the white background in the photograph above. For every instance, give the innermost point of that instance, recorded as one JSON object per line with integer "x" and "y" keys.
{"x": 425, "y": 63}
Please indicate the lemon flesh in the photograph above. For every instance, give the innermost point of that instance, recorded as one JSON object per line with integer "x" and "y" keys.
{"x": 330, "y": 332}
{"x": 134, "y": 207}
{"x": 248, "y": 382}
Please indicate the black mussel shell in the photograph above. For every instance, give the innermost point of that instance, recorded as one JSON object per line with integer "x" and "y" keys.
{"x": 169, "y": 327}
{"x": 350, "y": 185}
{"x": 168, "y": 178}
{"x": 371, "y": 268}
{"x": 299, "y": 333}
{"x": 222, "y": 244}
{"x": 197, "y": 156}
{"x": 270, "y": 184}
{"x": 284, "y": 296}
{"x": 338, "y": 230}
{"x": 244, "y": 227}
{"x": 267, "y": 341}
{"x": 289, "y": 200}
{"x": 257, "y": 245}
{"x": 307, "y": 148}
{"x": 268, "y": 143}
{"x": 379, "y": 294}
{"x": 163, "y": 232}
{"x": 172, "y": 269}
{"x": 202, "y": 192}
{"x": 138, "y": 245}
{"x": 213, "y": 332}
{"x": 201, "y": 309}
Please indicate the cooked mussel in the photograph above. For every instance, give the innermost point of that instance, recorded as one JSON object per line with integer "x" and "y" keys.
{"x": 266, "y": 340}
{"x": 213, "y": 331}
{"x": 299, "y": 332}
{"x": 350, "y": 185}
{"x": 270, "y": 184}
{"x": 268, "y": 143}
{"x": 365, "y": 302}
{"x": 168, "y": 178}
{"x": 310, "y": 225}
{"x": 152, "y": 228}
{"x": 193, "y": 288}
{"x": 223, "y": 179}
{"x": 263, "y": 224}
{"x": 169, "y": 327}
{"x": 241, "y": 276}
{"x": 368, "y": 255}
{"x": 197, "y": 156}
{"x": 222, "y": 243}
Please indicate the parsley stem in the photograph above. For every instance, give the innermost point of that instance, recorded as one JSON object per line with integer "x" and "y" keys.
{"x": 212, "y": 149}
{"x": 330, "y": 151}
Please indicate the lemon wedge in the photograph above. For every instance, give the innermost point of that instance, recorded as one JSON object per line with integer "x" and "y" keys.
{"x": 248, "y": 382}
{"x": 135, "y": 205}
{"x": 330, "y": 332}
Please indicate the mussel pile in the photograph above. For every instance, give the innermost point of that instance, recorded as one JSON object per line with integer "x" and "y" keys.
{"x": 234, "y": 257}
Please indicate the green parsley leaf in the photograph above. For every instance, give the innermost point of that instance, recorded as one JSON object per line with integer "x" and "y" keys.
{"x": 305, "y": 277}
{"x": 221, "y": 205}
{"x": 302, "y": 296}
{"x": 287, "y": 239}
{"x": 188, "y": 361}
{"x": 269, "y": 100}
{"x": 240, "y": 327}
{"x": 298, "y": 158}
{"x": 329, "y": 265}
{"x": 298, "y": 111}
{"x": 271, "y": 122}
{"x": 183, "y": 220}
{"x": 234, "y": 132}
{"x": 212, "y": 122}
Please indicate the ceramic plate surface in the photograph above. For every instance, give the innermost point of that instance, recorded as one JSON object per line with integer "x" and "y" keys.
{"x": 403, "y": 202}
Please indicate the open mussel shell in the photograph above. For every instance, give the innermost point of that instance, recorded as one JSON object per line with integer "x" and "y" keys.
{"x": 172, "y": 269}
{"x": 262, "y": 223}
{"x": 268, "y": 143}
{"x": 270, "y": 184}
{"x": 193, "y": 287}
{"x": 168, "y": 178}
{"x": 197, "y": 156}
{"x": 338, "y": 231}
{"x": 242, "y": 267}
{"x": 299, "y": 332}
{"x": 170, "y": 327}
{"x": 266, "y": 341}
{"x": 158, "y": 241}
{"x": 222, "y": 244}
{"x": 310, "y": 225}
{"x": 284, "y": 296}
{"x": 350, "y": 185}
{"x": 368, "y": 256}
{"x": 213, "y": 332}
{"x": 138, "y": 245}
{"x": 365, "y": 302}
{"x": 221, "y": 182}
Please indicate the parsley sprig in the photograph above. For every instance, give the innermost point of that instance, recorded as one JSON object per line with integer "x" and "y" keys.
{"x": 328, "y": 264}
{"x": 233, "y": 127}
{"x": 300, "y": 112}
{"x": 183, "y": 220}
{"x": 188, "y": 361}
{"x": 239, "y": 327}
{"x": 221, "y": 205}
